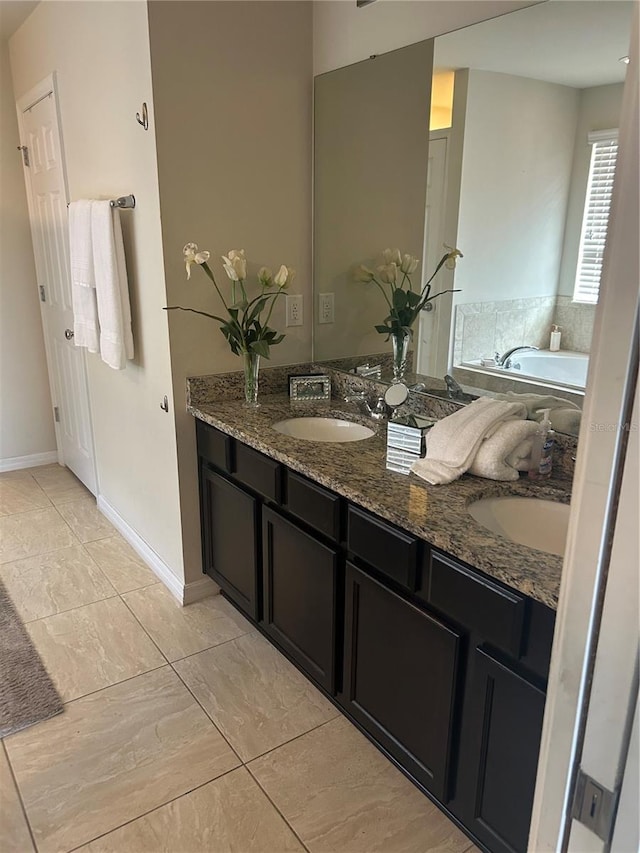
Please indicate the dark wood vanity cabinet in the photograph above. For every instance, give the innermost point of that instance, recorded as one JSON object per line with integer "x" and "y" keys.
{"x": 230, "y": 519}
{"x": 300, "y": 576}
{"x": 401, "y": 677}
{"x": 504, "y": 727}
{"x": 441, "y": 666}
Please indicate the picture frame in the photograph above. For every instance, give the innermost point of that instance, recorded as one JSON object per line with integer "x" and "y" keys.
{"x": 309, "y": 387}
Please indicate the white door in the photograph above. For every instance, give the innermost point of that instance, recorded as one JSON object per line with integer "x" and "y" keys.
{"x": 47, "y": 197}
{"x": 434, "y": 324}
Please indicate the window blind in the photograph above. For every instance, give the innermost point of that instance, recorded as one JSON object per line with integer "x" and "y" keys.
{"x": 595, "y": 219}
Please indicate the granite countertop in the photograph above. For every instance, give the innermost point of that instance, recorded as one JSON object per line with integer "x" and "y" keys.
{"x": 356, "y": 470}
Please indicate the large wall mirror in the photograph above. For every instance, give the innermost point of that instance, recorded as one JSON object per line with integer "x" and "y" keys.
{"x": 482, "y": 139}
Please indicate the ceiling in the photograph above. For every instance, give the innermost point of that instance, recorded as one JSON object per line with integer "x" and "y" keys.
{"x": 571, "y": 42}
{"x": 12, "y": 14}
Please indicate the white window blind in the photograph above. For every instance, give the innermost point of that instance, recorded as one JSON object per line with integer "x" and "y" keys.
{"x": 596, "y": 215}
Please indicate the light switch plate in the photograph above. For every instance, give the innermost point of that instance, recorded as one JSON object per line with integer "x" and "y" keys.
{"x": 294, "y": 310}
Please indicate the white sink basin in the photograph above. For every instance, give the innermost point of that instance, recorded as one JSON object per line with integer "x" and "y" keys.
{"x": 323, "y": 429}
{"x": 533, "y": 522}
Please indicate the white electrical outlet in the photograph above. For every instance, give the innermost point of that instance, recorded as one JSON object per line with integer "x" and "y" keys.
{"x": 294, "y": 310}
{"x": 327, "y": 314}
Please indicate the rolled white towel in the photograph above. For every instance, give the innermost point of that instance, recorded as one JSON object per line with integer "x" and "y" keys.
{"x": 453, "y": 442}
{"x": 535, "y": 403}
{"x": 506, "y": 452}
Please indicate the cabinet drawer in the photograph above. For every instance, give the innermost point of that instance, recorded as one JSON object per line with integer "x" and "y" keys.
{"x": 384, "y": 547}
{"x": 477, "y": 603}
{"x": 260, "y": 473}
{"x": 214, "y": 446}
{"x": 319, "y": 507}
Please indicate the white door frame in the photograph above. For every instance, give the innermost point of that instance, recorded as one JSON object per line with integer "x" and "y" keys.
{"x": 600, "y": 461}
{"x": 41, "y": 90}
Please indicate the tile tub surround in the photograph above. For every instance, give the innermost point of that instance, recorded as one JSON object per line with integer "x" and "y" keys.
{"x": 437, "y": 514}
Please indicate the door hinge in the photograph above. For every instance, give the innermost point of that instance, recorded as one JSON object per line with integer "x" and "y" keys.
{"x": 43, "y": 295}
{"x": 595, "y": 806}
{"x": 56, "y": 414}
{"x": 25, "y": 154}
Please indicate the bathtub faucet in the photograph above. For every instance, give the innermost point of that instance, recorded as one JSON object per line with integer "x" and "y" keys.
{"x": 505, "y": 360}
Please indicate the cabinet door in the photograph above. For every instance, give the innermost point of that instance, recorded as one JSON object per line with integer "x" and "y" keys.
{"x": 229, "y": 540}
{"x": 507, "y": 716}
{"x": 401, "y": 672}
{"x": 300, "y": 596}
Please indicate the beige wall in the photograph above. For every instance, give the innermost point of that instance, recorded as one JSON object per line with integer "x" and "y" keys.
{"x": 343, "y": 34}
{"x": 516, "y": 170}
{"x": 233, "y": 94}
{"x": 100, "y": 53}
{"x": 26, "y": 422}
{"x": 371, "y": 156}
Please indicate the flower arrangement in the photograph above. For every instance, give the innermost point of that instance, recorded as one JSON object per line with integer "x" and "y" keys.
{"x": 393, "y": 278}
{"x": 244, "y": 328}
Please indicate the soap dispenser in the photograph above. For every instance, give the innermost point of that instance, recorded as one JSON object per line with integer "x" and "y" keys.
{"x": 554, "y": 343}
{"x": 542, "y": 449}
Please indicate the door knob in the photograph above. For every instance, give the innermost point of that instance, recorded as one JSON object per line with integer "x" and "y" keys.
{"x": 68, "y": 333}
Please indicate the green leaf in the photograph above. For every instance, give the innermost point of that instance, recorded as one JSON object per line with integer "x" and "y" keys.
{"x": 384, "y": 330}
{"x": 260, "y": 348}
{"x": 399, "y": 299}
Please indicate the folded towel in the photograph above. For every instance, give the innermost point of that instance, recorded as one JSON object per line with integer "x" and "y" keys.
{"x": 112, "y": 289}
{"x": 453, "y": 442}
{"x": 535, "y": 403}
{"x": 86, "y": 330}
{"x": 506, "y": 452}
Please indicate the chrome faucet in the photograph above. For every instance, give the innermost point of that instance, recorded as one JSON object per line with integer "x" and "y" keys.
{"x": 505, "y": 360}
{"x": 377, "y": 410}
{"x": 453, "y": 388}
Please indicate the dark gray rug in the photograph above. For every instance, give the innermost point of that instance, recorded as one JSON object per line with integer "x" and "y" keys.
{"x": 27, "y": 694}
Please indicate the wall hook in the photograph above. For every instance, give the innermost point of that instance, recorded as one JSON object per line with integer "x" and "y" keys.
{"x": 144, "y": 120}
{"x": 164, "y": 405}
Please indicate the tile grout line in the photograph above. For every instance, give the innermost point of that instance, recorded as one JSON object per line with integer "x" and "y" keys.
{"x": 154, "y": 809}
{"x": 68, "y": 610}
{"x": 304, "y": 846}
{"x": 19, "y": 793}
{"x": 114, "y": 684}
{"x": 295, "y": 738}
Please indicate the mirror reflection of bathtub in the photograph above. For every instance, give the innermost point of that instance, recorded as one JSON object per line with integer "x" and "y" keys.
{"x": 556, "y": 369}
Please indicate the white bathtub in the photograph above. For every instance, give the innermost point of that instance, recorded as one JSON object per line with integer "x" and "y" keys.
{"x": 556, "y": 368}
{"x": 565, "y": 368}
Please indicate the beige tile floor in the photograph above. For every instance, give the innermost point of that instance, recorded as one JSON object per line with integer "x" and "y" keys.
{"x": 184, "y": 730}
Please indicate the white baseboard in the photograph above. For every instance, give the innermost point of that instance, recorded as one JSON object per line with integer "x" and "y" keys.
{"x": 14, "y": 463}
{"x": 184, "y": 593}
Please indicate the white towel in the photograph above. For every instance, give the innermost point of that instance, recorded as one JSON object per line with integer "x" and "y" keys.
{"x": 506, "y": 452}
{"x": 86, "y": 331}
{"x": 112, "y": 289}
{"x": 535, "y": 403}
{"x": 453, "y": 442}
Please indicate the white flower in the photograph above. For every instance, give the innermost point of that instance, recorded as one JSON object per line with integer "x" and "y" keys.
{"x": 193, "y": 256}
{"x": 453, "y": 255}
{"x": 409, "y": 264}
{"x": 392, "y": 256}
{"x": 235, "y": 265}
{"x": 265, "y": 276}
{"x": 363, "y": 274}
{"x": 284, "y": 276}
{"x": 388, "y": 273}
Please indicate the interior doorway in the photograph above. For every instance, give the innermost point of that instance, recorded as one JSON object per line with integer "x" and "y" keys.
{"x": 46, "y": 185}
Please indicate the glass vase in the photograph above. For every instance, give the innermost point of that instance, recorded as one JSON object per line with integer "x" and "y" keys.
{"x": 400, "y": 344}
{"x": 251, "y": 370}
